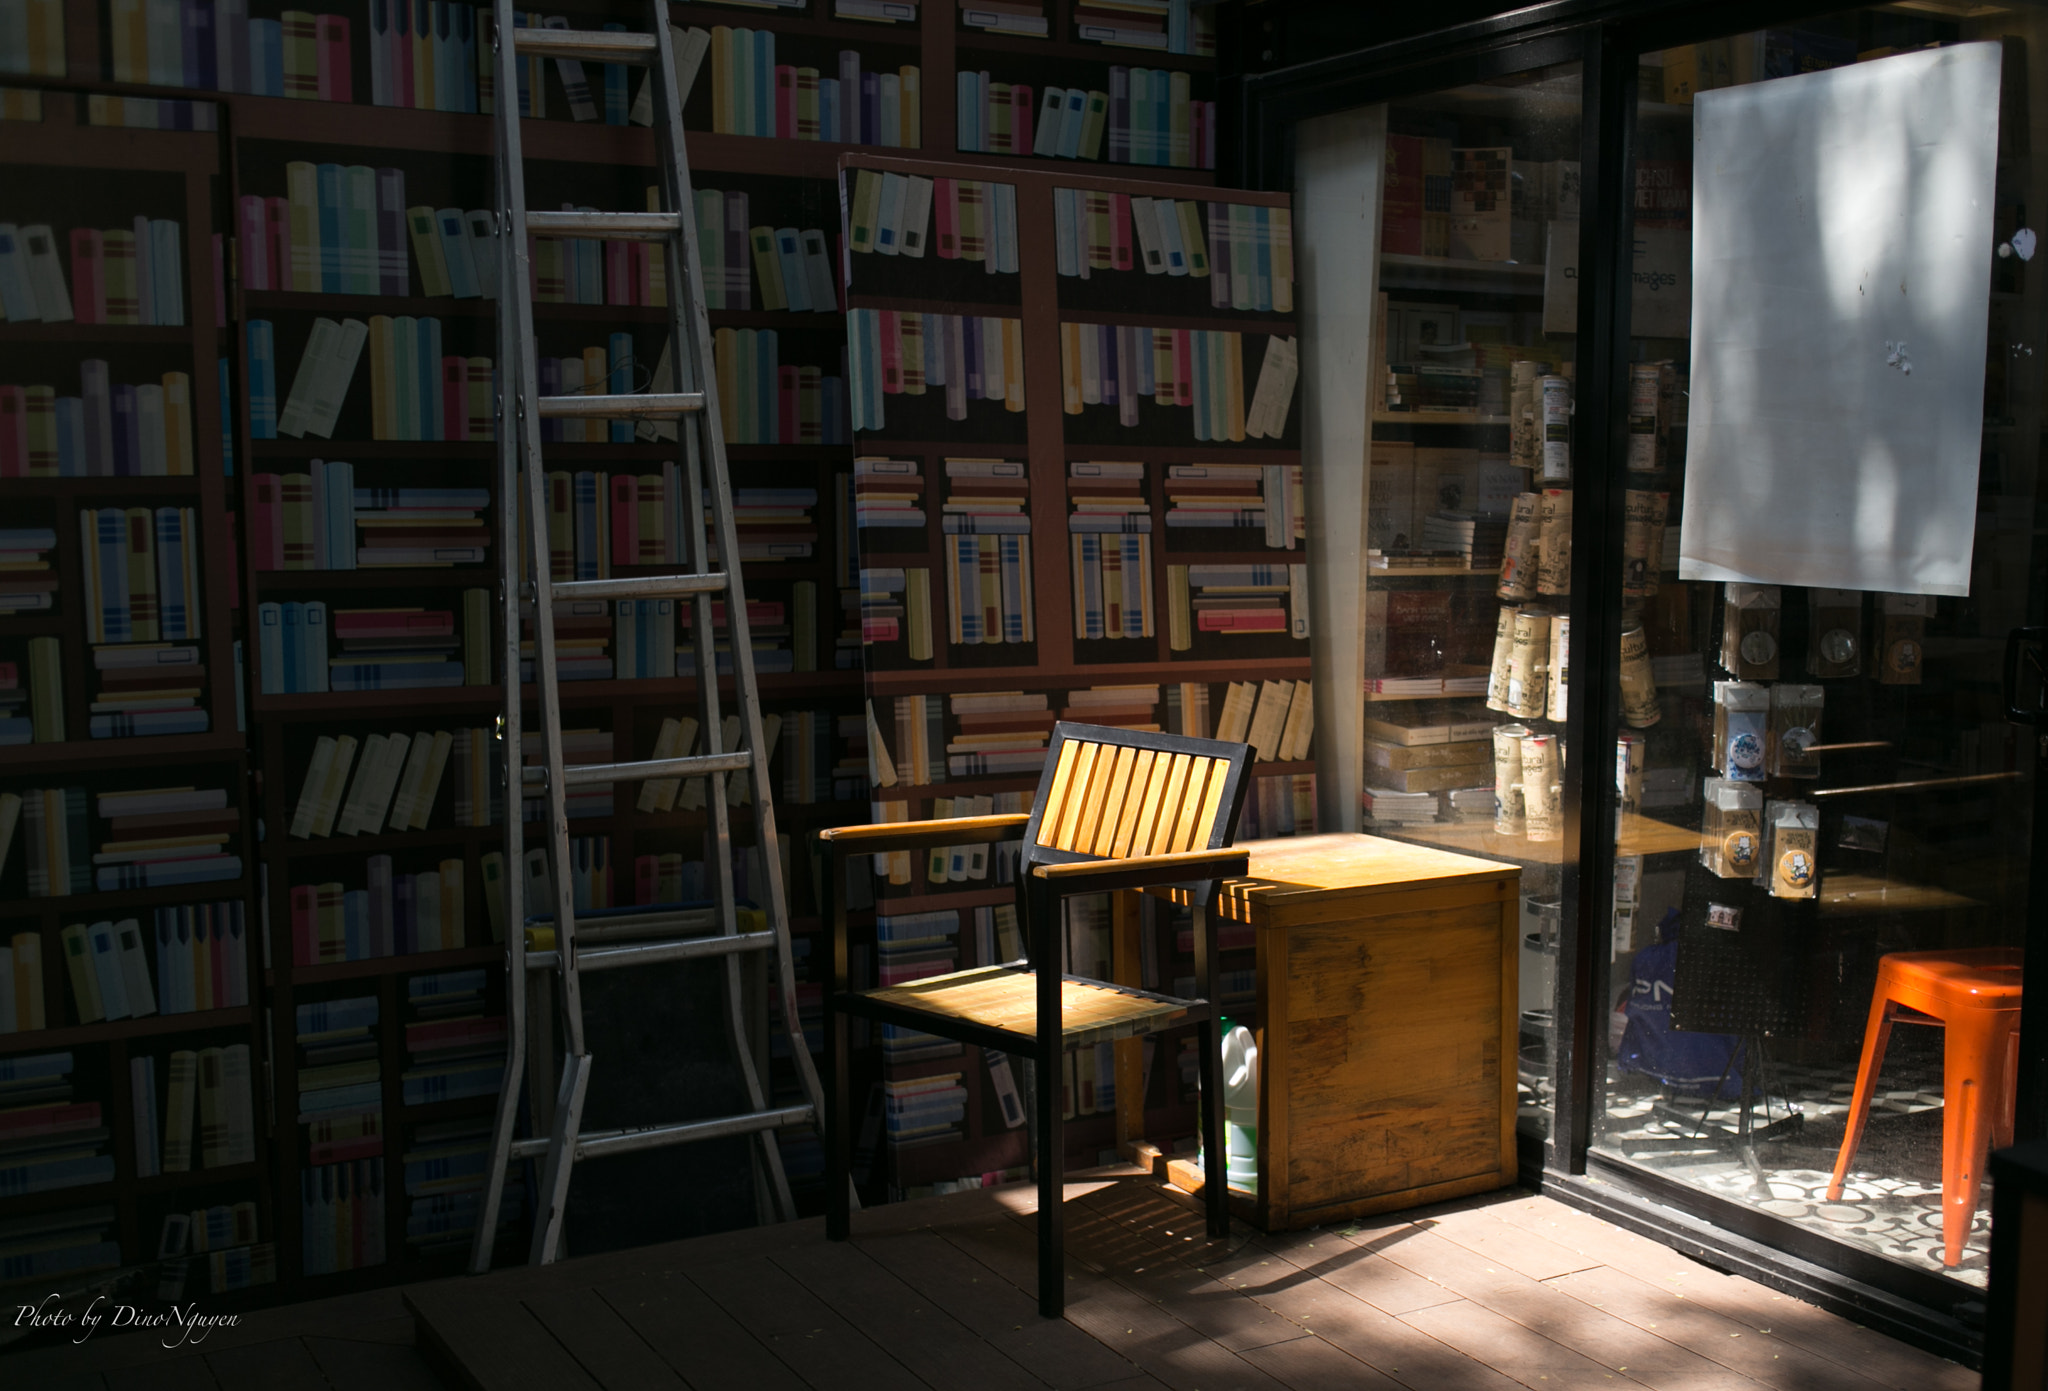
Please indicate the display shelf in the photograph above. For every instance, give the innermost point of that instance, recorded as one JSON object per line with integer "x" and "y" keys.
{"x": 145, "y": 334}
{"x": 388, "y": 965}
{"x": 1426, "y": 572}
{"x": 148, "y": 1026}
{"x": 970, "y": 41}
{"x": 1861, "y": 895}
{"x": 97, "y": 753}
{"x": 152, "y": 485}
{"x": 1436, "y": 418}
{"x": 194, "y": 1178}
{"x": 101, "y": 904}
{"x": 1640, "y": 835}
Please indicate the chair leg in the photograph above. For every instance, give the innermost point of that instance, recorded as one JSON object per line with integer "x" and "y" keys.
{"x": 1876, "y": 1034}
{"x": 1043, "y": 908}
{"x": 1216, "y": 1175}
{"x": 1052, "y": 1258}
{"x": 1973, "y": 1094}
{"x": 839, "y": 1125}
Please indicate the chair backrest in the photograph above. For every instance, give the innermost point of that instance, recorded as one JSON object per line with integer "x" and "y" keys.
{"x": 1111, "y": 794}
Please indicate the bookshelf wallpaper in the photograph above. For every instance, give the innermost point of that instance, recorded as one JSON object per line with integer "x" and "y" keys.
{"x": 251, "y": 916}
{"x": 1076, "y": 495}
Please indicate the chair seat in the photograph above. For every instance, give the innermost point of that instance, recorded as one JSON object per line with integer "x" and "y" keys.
{"x": 1005, "y": 998}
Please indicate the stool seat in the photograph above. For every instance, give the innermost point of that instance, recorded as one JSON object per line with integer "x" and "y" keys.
{"x": 1975, "y": 995}
{"x": 1982, "y": 978}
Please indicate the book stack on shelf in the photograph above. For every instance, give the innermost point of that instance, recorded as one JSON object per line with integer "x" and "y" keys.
{"x": 213, "y": 1250}
{"x": 153, "y": 838}
{"x": 61, "y": 1243}
{"x": 345, "y": 229}
{"x": 1111, "y": 541}
{"x": 444, "y": 1179}
{"x": 27, "y": 581}
{"x": 987, "y": 552}
{"x": 32, "y": 700}
{"x": 1166, "y": 26}
{"x": 339, "y": 1079}
{"x": 49, "y": 1139}
{"x": 457, "y": 1051}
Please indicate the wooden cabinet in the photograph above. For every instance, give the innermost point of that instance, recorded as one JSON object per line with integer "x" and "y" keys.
{"x": 1386, "y": 1028}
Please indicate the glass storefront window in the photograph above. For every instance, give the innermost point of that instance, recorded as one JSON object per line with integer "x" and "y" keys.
{"x": 1819, "y": 914}
{"x": 1479, "y": 192}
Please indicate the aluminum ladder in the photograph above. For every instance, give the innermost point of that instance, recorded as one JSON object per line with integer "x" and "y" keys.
{"x": 547, "y": 939}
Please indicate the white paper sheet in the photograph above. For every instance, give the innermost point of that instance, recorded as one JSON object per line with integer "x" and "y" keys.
{"x": 1835, "y": 213}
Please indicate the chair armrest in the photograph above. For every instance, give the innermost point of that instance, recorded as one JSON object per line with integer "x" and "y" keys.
{"x": 883, "y": 837}
{"x": 1142, "y": 871}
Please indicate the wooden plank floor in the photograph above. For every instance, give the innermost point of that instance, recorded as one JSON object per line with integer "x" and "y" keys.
{"x": 1505, "y": 1293}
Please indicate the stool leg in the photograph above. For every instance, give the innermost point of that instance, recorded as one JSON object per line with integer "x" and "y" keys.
{"x": 2009, "y": 1095}
{"x": 1972, "y": 1087}
{"x": 1876, "y": 1034}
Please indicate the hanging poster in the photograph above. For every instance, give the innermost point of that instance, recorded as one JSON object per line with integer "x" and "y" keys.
{"x": 1842, "y": 247}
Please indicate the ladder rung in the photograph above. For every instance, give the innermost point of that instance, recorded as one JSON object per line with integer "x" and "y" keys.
{"x": 695, "y": 766}
{"x": 594, "y": 46}
{"x": 641, "y": 406}
{"x": 641, "y": 927}
{"x": 654, "y": 953}
{"x": 605, "y": 1142}
{"x": 609, "y": 226}
{"x": 640, "y": 587}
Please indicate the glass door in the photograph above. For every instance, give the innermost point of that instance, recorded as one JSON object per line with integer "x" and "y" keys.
{"x": 1832, "y": 523}
{"x": 1464, "y": 618}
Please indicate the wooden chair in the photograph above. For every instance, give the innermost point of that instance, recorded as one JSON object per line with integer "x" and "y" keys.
{"x": 1115, "y": 810}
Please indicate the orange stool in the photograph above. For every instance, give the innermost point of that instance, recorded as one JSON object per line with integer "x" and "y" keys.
{"x": 1976, "y": 996}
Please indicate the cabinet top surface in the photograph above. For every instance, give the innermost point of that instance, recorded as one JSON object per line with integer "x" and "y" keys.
{"x": 1302, "y": 869}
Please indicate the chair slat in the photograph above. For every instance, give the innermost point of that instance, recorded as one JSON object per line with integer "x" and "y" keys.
{"x": 1212, "y": 805}
{"x": 1056, "y": 795}
{"x": 1062, "y": 837}
{"x": 1190, "y": 804}
{"x": 1134, "y": 803}
{"x": 1099, "y": 786}
{"x": 1171, "y": 791}
{"x": 1121, "y": 785}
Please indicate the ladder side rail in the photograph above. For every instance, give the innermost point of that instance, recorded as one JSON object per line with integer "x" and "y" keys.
{"x": 738, "y": 630}
{"x": 509, "y": 553}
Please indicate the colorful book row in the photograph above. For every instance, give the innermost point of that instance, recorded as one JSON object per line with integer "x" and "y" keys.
{"x": 1247, "y": 255}
{"x": 1120, "y": 364}
{"x": 1148, "y": 116}
{"x": 752, "y": 94}
{"x": 108, "y": 430}
{"x": 121, "y": 276}
{"x": 215, "y": 44}
{"x": 894, "y": 213}
{"x": 973, "y": 358}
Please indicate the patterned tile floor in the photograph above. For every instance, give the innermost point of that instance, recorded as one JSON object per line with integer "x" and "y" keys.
{"x": 1892, "y": 1201}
